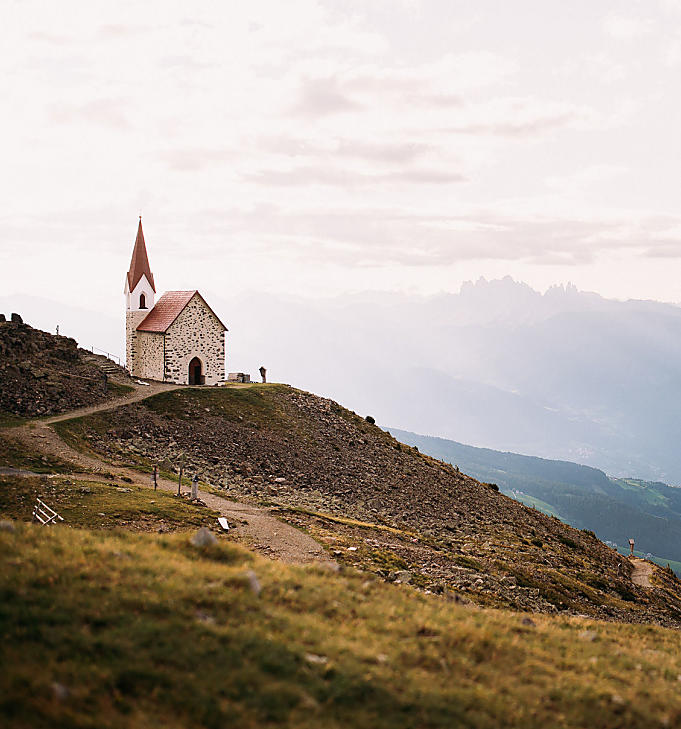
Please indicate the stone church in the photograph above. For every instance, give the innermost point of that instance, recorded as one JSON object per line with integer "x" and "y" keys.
{"x": 178, "y": 338}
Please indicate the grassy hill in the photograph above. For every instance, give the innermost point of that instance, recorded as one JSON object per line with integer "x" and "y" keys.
{"x": 115, "y": 629}
{"x": 615, "y": 509}
{"x": 377, "y": 505}
{"x": 116, "y": 619}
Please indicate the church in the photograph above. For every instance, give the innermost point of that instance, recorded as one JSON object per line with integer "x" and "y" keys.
{"x": 178, "y": 338}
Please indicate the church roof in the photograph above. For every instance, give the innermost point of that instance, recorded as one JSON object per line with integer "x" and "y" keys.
{"x": 139, "y": 264}
{"x": 167, "y": 309}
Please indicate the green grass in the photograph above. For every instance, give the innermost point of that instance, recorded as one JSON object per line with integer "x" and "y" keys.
{"x": 117, "y": 389}
{"x": 255, "y": 406}
{"x": 18, "y": 456}
{"x": 112, "y": 629}
{"x": 645, "y": 489}
{"x": 536, "y": 503}
{"x": 89, "y": 504}
{"x": 9, "y": 420}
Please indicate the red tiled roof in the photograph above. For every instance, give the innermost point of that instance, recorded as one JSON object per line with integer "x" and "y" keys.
{"x": 139, "y": 264}
{"x": 167, "y": 309}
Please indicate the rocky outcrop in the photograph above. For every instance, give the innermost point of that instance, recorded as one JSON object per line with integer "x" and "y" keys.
{"x": 43, "y": 374}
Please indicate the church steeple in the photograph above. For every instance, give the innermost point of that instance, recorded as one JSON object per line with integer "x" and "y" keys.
{"x": 139, "y": 264}
{"x": 140, "y": 292}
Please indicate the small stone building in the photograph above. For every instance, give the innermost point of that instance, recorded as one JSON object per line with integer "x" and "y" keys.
{"x": 177, "y": 339}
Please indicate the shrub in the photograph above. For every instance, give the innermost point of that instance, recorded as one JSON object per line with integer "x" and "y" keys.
{"x": 568, "y": 542}
{"x": 370, "y": 420}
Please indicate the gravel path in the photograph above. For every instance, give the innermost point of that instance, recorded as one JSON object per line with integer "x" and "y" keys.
{"x": 642, "y": 571}
{"x": 262, "y": 531}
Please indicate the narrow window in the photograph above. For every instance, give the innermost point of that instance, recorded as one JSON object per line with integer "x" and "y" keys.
{"x": 143, "y": 302}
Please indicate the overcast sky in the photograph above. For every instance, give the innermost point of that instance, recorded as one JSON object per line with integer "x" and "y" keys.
{"x": 322, "y": 147}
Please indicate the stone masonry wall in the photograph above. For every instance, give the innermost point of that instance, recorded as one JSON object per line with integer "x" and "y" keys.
{"x": 132, "y": 319}
{"x": 149, "y": 355}
{"x": 195, "y": 333}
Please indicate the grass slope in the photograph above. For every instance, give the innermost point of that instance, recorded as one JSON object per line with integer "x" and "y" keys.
{"x": 102, "y": 505}
{"x": 112, "y": 629}
{"x": 316, "y": 462}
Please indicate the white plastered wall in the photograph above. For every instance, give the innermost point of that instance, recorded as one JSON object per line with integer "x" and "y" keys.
{"x": 132, "y": 299}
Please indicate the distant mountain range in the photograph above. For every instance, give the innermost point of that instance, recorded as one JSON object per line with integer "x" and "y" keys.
{"x": 616, "y": 509}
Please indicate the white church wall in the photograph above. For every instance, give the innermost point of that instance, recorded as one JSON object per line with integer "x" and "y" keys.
{"x": 132, "y": 299}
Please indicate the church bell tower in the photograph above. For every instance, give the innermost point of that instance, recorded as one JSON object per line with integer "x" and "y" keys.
{"x": 140, "y": 292}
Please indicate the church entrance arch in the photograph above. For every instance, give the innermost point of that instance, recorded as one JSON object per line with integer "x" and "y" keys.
{"x": 196, "y": 376}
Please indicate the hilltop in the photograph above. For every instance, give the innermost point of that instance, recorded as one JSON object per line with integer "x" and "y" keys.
{"x": 377, "y": 504}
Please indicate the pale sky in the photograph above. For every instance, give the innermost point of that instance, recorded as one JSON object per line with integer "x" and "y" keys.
{"x": 324, "y": 148}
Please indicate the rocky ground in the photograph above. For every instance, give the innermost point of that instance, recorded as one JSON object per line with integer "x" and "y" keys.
{"x": 377, "y": 504}
{"x": 42, "y": 374}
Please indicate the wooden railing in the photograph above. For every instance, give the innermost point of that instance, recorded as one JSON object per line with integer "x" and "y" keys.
{"x": 44, "y": 514}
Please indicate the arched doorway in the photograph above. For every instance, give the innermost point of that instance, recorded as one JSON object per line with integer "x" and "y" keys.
{"x": 196, "y": 376}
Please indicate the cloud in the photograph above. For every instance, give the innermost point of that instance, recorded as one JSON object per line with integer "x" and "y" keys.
{"x": 101, "y": 112}
{"x": 321, "y": 97}
{"x": 627, "y": 27}
{"x": 345, "y": 177}
{"x": 120, "y": 30}
{"x": 517, "y": 128}
{"x": 367, "y": 149}
{"x": 384, "y": 237}
{"x": 196, "y": 159}
{"x": 51, "y": 38}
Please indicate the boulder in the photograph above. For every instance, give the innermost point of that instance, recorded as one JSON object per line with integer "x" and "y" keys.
{"x": 204, "y": 538}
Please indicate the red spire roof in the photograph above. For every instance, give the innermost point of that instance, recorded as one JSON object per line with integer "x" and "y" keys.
{"x": 139, "y": 264}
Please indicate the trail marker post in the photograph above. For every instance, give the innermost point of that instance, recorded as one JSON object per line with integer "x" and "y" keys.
{"x": 179, "y": 480}
{"x": 631, "y": 547}
{"x": 195, "y": 487}
{"x": 155, "y": 477}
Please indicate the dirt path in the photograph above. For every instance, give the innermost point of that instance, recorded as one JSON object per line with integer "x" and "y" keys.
{"x": 142, "y": 392}
{"x": 261, "y": 530}
{"x": 642, "y": 571}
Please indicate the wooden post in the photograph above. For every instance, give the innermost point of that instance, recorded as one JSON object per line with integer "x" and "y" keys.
{"x": 179, "y": 480}
{"x": 195, "y": 487}
{"x": 631, "y": 545}
{"x": 155, "y": 477}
